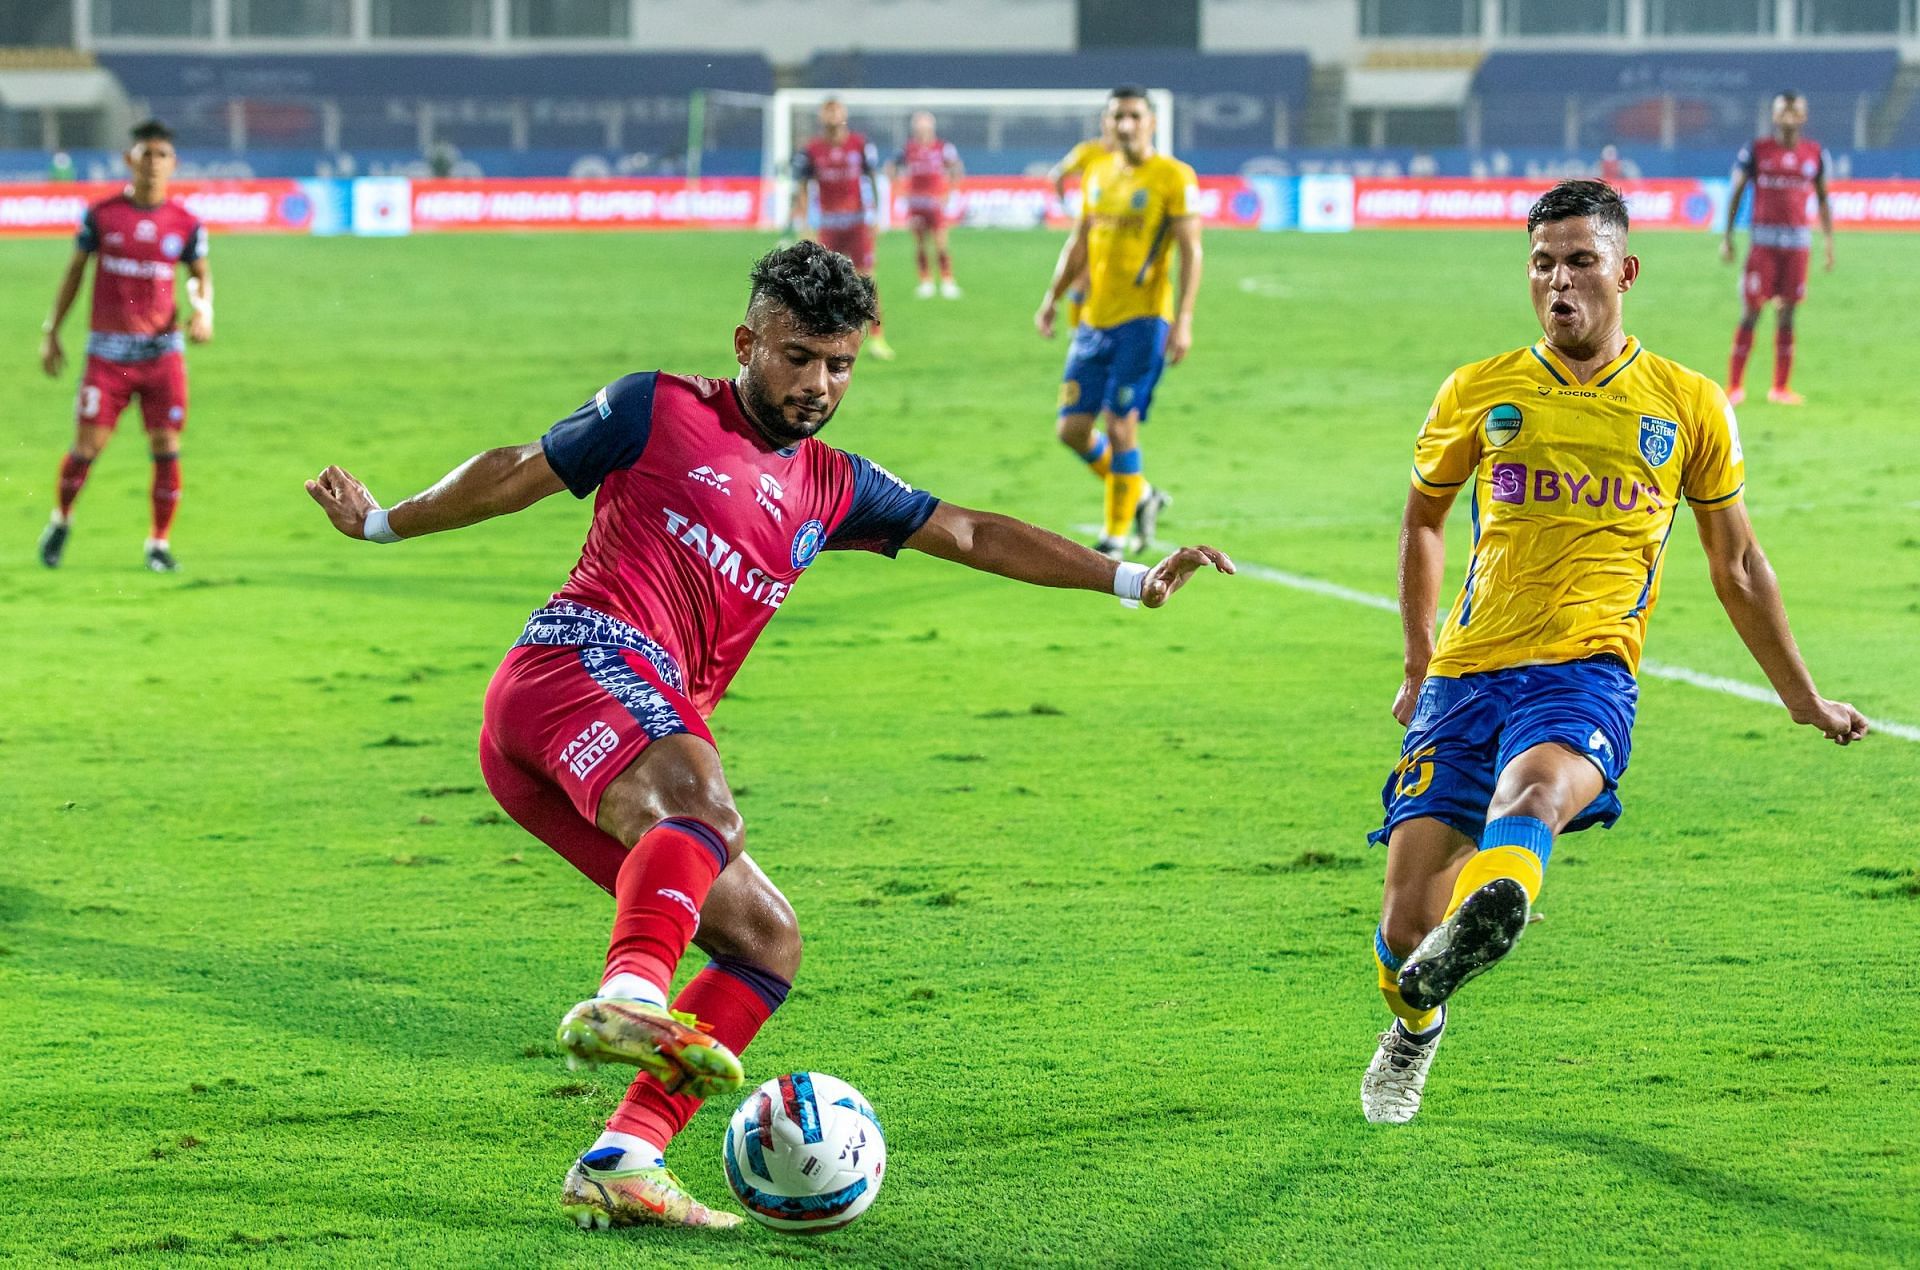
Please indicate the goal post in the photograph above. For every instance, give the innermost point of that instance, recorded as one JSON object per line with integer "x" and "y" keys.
{"x": 993, "y": 120}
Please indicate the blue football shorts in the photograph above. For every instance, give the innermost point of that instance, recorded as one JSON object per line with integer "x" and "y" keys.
{"x": 1114, "y": 368}
{"x": 1466, "y": 729}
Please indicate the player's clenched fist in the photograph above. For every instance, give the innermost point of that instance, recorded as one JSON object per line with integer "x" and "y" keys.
{"x": 344, "y": 499}
{"x": 1172, "y": 573}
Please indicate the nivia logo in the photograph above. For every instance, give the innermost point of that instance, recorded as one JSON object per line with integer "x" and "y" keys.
{"x": 1598, "y": 742}
{"x": 680, "y": 898}
{"x": 707, "y": 476}
{"x": 768, "y": 495}
{"x": 588, "y": 750}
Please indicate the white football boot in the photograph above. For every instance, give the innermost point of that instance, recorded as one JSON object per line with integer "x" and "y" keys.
{"x": 1390, "y": 1091}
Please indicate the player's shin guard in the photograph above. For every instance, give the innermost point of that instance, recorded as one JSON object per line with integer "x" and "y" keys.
{"x": 166, "y": 493}
{"x": 662, "y": 884}
{"x": 1782, "y": 357}
{"x": 73, "y": 475}
{"x": 1125, "y": 486}
{"x": 1415, "y": 1021}
{"x": 1514, "y": 847}
{"x": 1100, "y": 457}
{"x": 733, "y": 1000}
{"x": 1742, "y": 349}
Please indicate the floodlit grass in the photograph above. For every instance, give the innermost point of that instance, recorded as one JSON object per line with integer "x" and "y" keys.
{"x": 1086, "y": 891}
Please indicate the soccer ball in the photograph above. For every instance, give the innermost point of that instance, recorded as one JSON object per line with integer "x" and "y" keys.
{"x": 804, "y": 1153}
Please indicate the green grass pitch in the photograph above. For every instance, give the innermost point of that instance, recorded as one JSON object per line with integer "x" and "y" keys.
{"x": 1086, "y": 893}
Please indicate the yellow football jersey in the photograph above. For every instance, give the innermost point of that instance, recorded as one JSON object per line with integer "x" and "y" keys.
{"x": 1573, "y": 493}
{"x": 1129, "y": 213}
{"x": 1082, "y": 157}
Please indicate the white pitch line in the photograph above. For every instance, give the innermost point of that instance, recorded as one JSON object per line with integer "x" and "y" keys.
{"x": 1658, "y": 670}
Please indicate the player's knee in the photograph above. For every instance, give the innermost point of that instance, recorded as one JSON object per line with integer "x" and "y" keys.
{"x": 1543, "y": 800}
{"x": 1075, "y": 432}
{"x": 1785, "y": 319}
{"x": 1124, "y": 431}
{"x": 1749, "y": 319}
{"x": 1403, "y": 926}
{"x": 762, "y": 931}
{"x": 87, "y": 449}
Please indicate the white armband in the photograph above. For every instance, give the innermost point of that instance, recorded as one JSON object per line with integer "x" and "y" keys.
{"x": 376, "y": 528}
{"x": 1128, "y": 582}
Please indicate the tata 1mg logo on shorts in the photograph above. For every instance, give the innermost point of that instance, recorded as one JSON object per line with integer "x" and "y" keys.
{"x": 588, "y": 750}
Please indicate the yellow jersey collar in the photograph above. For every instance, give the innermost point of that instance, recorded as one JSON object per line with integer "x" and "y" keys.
{"x": 1551, "y": 363}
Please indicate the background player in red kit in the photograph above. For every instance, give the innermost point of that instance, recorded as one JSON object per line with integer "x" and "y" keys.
{"x": 840, "y": 167}
{"x": 134, "y": 345}
{"x": 711, "y": 498}
{"x": 1783, "y": 169}
{"x": 931, "y": 166}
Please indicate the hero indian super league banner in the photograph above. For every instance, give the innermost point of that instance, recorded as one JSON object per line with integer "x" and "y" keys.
{"x": 1022, "y": 202}
{"x": 263, "y": 207}
{"x": 633, "y": 203}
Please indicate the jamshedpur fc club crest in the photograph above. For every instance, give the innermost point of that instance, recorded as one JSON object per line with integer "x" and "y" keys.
{"x": 807, "y": 541}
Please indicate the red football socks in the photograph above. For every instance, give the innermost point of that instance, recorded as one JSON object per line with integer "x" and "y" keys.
{"x": 166, "y": 493}
{"x": 1782, "y": 357}
{"x": 657, "y": 897}
{"x": 1742, "y": 346}
{"x": 73, "y": 475}
{"x": 732, "y": 999}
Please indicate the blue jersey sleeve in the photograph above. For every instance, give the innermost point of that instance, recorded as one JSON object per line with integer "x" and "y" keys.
{"x": 196, "y": 245}
{"x": 87, "y": 237}
{"x": 886, "y": 511}
{"x": 606, "y": 434}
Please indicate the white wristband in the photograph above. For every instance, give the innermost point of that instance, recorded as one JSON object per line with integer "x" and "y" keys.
{"x": 376, "y": 529}
{"x": 1128, "y": 582}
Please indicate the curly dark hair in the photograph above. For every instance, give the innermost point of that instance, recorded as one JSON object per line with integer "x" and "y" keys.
{"x": 821, "y": 289}
{"x": 1570, "y": 199}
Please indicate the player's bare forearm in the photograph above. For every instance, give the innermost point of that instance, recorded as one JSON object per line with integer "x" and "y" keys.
{"x": 200, "y": 301}
{"x": 53, "y": 358}
{"x": 1071, "y": 264}
{"x": 1423, "y": 562}
{"x": 1745, "y": 583}
{"x": 1187, "y": 243}
{"x": 1733, "y": 214}
{"x": 494, "y": 483}
{"x": 993, "y": 543}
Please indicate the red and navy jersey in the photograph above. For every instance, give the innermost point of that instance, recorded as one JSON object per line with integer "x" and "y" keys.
{"x": 1783, "y": 179}
{"x": 926, "y": 164}
{"x": 700, "y": 528}
{"x": 839, "y": 171}
{"x": 135, "y": 316}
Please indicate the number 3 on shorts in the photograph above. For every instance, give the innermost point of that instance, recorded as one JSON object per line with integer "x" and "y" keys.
{"x": 89, "y": 401}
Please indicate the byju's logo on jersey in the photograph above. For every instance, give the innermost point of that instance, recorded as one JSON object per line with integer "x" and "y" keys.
{"x": 707, "y": 476}
{"x": 1502, "y": 424}
{"x": 807, "y": 543}
{"x": 588, "y": 750}
{"x": 1657, "y": 439}
{"x": 768, "y": 495}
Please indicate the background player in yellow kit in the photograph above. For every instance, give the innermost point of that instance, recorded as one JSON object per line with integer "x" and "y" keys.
{"x": 1075, "y": 164}
{"x": 1576, "y": 452}
{"x": 1137, "y": 209}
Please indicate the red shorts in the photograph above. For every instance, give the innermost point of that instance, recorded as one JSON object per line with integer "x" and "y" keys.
{"x": 570, "y": 719}
{"x": 1775, "y": 273}
{"x": 926, "y": 217}
{"x": 855, "y": 243}
{"x": 107, "y": 387}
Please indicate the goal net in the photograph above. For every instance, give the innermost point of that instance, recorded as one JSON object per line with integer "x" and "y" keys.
{"x": 999, "y": 132}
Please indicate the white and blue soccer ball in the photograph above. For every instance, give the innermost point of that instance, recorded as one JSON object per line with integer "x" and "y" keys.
{"x": 804, "y": 1153}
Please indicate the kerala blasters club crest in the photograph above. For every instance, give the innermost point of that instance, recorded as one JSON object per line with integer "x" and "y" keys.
{"x": 1657, "y": 439}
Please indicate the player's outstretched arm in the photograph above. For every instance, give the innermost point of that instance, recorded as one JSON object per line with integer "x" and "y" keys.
{"x": 495, "y": 483}
{"x": 1186, "y": 238}
{"x": 1750, "y": 594}
{"x": 1014, "y": 549}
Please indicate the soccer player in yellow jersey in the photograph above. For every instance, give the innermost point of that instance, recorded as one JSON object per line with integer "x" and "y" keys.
{"x": 1136, "y": 212}
{"x": 1075, "y": 163}
{"x": 1575, "y": 454}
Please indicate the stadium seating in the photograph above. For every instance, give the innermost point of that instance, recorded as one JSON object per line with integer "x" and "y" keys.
{"x": 1718, "y": 98}
{"x": 523, "y": 101}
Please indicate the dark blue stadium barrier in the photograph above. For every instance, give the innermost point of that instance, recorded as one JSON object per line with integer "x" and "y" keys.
{"x": 473, "y": 96}
{"x": 1220, "y": 99}
{"x": 1717, "y": 95}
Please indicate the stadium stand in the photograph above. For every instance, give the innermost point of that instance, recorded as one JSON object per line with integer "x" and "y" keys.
{"x": 1671, "y": 99}
{"x": 387, "y": 101}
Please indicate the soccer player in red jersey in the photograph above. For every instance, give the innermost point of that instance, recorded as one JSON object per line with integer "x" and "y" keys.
{"x": 134, "y": 344}
{"x": 931, "y": 166}
{"x": 841, "y": 167}
{"x": 711, "y": 498}
{"x": 1783, "y": 170}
